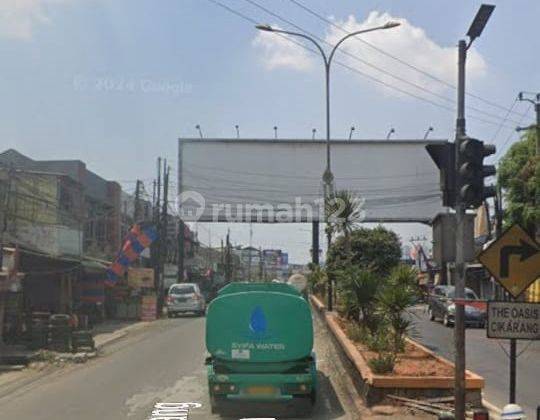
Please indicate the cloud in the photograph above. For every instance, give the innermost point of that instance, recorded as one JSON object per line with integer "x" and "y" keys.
{"x": 279, "y": 52}
{"x": 407, "y": 42}
{"x": 19, "y": 17}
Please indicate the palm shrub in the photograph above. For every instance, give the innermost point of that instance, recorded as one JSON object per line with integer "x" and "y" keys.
{"x": 381, "y": 342}
{"x": 383, "y": 363}
{"x": 399, "y": 292}
{"x": 357, "y": 289}
{"x": 344, "y": 211}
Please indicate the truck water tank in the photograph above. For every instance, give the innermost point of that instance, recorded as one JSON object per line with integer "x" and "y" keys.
{"x": 259, "y": 326}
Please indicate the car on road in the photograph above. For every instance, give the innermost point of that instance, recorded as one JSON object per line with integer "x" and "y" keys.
{"x": 442, "y": 306}
{"x": 183, "y": 298}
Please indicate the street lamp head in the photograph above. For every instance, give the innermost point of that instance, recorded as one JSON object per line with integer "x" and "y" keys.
{"x": 480, "y": 20}
{"x": 264, "y": 27}
{"x": 391, "y": 24}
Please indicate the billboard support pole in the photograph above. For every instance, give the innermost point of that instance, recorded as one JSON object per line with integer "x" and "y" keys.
{"x": 315, "y": 243}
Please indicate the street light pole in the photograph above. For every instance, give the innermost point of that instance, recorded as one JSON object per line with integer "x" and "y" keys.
{"x": 474, "y": 32}
{"x": 328, "y": 176}
{"x": 459, "y": 269}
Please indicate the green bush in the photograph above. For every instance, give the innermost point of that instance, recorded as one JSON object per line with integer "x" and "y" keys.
{"x": 383, "y": 363}
{"x": 378, "y": 250}
{"x": 357, "y": 332}
{"x": 380, "y": 341}
{"x": 357, "y": 289}
{"x": 317, "y": 280}
{"x": 399, "y": 292}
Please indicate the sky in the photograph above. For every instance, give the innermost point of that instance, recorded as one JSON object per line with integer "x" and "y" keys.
{"x": 116, "y": 83}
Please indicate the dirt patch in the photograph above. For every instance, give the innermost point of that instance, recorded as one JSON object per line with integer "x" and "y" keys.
{"x": 412, "y": 362}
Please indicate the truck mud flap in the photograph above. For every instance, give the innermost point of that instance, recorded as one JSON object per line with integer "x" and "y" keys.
{"x": 297, "y": 407}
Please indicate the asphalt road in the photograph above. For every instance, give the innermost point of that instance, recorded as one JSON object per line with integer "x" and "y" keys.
{"x": 487, "y": 357}
{"x": 163, "y": 363}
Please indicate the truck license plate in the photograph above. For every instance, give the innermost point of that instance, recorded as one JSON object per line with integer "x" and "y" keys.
{"x": 261, "y": 390}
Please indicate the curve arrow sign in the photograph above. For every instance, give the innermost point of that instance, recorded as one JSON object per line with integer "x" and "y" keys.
{"x": 525, "y": 250}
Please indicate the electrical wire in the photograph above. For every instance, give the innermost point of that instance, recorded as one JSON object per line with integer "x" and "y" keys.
{"x": 498, "y": 154}
{"x": 299, "y": 176}
{"x": 405, "y": 63}
{"x": 501, "y": 125}
{"x": 355, "y": 57}
{"x": 355, "y": 70}
{"x": 401, "y": 79}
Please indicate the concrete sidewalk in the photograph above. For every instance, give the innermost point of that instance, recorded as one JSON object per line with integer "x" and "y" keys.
{"x": 112, "y": 331}
{"x": 104, "y": 334}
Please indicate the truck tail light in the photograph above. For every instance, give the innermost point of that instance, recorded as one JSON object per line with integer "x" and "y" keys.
{"x": 480, "y": 415}
{"x": 224, "y": 388}
{"x": 298, "y": 388}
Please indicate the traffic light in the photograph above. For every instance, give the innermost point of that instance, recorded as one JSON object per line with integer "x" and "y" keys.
{"x": 444, "y": 156}
{"x": 472, "y": 171}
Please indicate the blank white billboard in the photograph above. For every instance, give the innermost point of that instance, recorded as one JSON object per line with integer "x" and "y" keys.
{"x": 242, "y": 180}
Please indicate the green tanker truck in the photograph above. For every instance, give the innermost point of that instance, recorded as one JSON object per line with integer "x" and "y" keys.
{"x": 260, "y": 340}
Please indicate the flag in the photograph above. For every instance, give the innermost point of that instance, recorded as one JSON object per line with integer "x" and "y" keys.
{"x": 139, "y": 237}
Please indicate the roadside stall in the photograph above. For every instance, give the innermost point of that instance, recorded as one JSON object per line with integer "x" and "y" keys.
{"x": 89, "y": 293}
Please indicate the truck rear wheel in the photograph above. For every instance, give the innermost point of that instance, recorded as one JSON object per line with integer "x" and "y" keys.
{"x": 303, "y": 406}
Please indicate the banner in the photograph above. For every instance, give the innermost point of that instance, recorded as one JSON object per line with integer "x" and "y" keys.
{"x": 140, "y": 237}
{"x": 141, "y": 277}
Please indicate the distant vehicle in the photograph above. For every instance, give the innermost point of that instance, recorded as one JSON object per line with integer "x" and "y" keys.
{"x": 185, "y": 297}
{"x": 260, "y": 340}
{"x": 299, "y": 282}
{"x": 442, "y": 306}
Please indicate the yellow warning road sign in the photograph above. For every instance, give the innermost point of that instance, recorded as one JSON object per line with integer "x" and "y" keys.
{"x": 513, "y": 259}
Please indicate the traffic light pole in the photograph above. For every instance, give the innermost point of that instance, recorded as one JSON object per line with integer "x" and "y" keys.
{"x": 459, "y": 270}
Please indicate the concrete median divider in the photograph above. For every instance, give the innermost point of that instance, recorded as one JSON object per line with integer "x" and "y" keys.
{"x": 375, "y": 387}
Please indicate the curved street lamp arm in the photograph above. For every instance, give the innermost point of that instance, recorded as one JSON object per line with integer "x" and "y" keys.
{"x": 363, "y": 31}
{"x": 326, "y": 61}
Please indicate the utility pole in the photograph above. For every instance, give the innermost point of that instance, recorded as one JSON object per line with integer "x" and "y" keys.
{"x": 5, "y": 218}
{"x": 153, "y": 198}
{"x": 228, "y": 272}
{"x": 157, "y": 221}
{"x": 250, "y": 245}
{"x": 474, "y": 31}
{"x": 261, "y": 265}
{"x": 137, "y": 209}
{"x": 181, "y": 250}
{"x": 158, "y": 190}
{"x": 209, "y": 253}
{"x": 534, "y": 231}
{"x": 499, "y": 291}
{"x": 164, "y": 248}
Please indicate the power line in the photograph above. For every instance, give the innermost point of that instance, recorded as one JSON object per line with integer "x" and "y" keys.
{"x": 297, "y": 176}
{"x": 353, "y": 69}
{"x": 503, "y": 120}
{"x": 405, "y": 63}
{"x": 498, "y": 155}
{"x": 367, "y": 63}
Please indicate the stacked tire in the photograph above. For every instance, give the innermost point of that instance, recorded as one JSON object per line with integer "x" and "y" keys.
{"x": 60, "y": 333}
{"x": 39, "y": 335}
